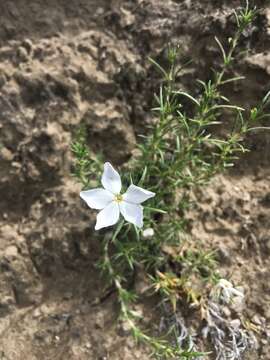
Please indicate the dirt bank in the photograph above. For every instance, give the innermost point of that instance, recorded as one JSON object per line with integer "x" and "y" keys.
{"x": 66, "y": 63}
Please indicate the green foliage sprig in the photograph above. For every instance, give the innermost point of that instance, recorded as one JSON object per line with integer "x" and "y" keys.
{"x": 183, "y": 150}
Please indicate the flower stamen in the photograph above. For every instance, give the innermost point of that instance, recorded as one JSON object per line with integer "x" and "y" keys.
{"x": 118, "y": 198}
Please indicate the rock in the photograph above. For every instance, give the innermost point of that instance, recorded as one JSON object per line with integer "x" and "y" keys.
{"x": 124, "y": 328}
{"x": 88, "y": 345}
{"x": 11, "y": 251}
{"x": 28, "y": 45}
{"x": 99, "y": 320}
{"x": 6, "y": 154}
{"x": 110, "y": 126}
{"x": 224, "y": 255}
{"x": 258, "y": 320}
{"x": 45, "y": 309}
{"x": 127, "y": 18}
{"x": 22, "y": 54}
{"x": 37, "y": 313}
{"x": 236, "y": 323}
{"x": 238, "y": 304}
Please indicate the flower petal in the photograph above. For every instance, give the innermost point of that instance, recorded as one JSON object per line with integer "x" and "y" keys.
{"x": 108, "y": 216}
{"x": 111, "y": 179}
{"x": 132, "y": 213}
{"x": 97, "y": 198}
{"x": 137, "y": 195}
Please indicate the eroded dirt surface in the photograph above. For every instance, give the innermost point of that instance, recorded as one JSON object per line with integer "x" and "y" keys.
{"x": 66, "y": 63}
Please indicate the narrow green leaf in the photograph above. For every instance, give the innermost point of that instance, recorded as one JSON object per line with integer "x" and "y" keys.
{"x": 155, "y": 210}
{"x": 266, "y": 98}
{"x": 225, "y": 59}
{"x": 160, "y": 68}
{"x": 236, "y": 78}
{"x": 258, "y": 128}
{"x": 188, "y": 96}
{"x": 143, "y": 176}
{"x": 225, "y": 106}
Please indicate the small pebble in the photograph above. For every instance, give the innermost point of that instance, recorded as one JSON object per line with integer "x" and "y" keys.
{"x": 11, "y": 251}
{"x": 28, "y": 45}
{"x": 257, "y": 320}
{"x": 22, "y": 54}
{"x": 236, "y": 323}
{"x": 6, "y": 154}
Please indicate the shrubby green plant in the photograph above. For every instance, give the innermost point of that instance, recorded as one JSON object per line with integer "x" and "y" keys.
{"x": 180, "y": 152}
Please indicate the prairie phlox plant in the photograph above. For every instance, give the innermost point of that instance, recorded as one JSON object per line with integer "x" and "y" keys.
{"x": 181, "y": 151}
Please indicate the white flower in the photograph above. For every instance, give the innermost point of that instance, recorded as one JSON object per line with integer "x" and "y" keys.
{"x": 147, "y": 233}
{"x": 225, "y": 290}
{"x": 111, "y": 203}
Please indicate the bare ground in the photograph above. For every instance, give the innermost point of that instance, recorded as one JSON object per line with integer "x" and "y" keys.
{"x": 66, "y": 63}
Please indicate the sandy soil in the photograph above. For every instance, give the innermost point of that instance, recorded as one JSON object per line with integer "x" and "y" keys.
{"x": 65, "y": 63}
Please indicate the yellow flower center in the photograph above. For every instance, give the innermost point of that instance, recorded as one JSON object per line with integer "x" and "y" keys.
{"x": 118, "y": 198}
